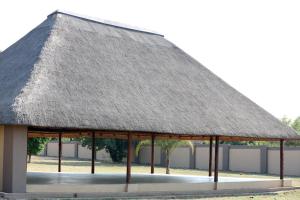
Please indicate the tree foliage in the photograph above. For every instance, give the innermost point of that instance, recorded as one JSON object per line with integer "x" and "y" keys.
{"x": 99, "y": 143}
{"x": 287, "y": 121}
{"x": 295, "y": 124}
{"x": 167, "y": 146}
{"x": 117, "y": 149}
{"x": 35, "y": 145}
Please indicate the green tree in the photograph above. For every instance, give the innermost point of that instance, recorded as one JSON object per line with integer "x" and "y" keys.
{"x": 296, "y": 124}
{"x": 99, "y": 143}
{"x": 167, "y": 146}
{"x": 287, "y": 121}
{"x": 116, "y": 148}
{"x": 34, "y": 146}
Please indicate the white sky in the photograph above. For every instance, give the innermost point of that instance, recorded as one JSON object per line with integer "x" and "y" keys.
{"x": 254, "y": 45}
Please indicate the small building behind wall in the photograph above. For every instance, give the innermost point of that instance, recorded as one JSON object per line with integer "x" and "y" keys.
{"x": 80, "y": 76}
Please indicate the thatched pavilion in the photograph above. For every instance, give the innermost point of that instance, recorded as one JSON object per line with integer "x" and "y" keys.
{"x": 78, "y": 76}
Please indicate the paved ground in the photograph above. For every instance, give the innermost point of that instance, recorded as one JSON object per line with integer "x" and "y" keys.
{"x": 40, "y": 164}
{"x": 119, "y": 178}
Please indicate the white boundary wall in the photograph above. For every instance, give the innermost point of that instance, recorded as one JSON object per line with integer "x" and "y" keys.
{"x": 231, "y": 157}
{"x": 202, "y": 157}
{"x": 247, "y": 160}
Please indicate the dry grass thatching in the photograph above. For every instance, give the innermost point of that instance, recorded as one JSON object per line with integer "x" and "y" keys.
{"x": 74, "y": 73}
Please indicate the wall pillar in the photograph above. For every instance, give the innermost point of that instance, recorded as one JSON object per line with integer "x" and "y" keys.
{"x": 226, "y": 149}
{"x": 264, "y": 160}
{"x": 162, "y": 158}
{"x": 13, "y": 158}
{"x": 193, "y": 158}
{"x": 76, "y": 150}
{"x": 46, "y": 150}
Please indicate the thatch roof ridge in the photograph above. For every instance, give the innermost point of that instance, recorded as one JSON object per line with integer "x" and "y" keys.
{"x": 106, "y": 22}
{"x": 75, "y": 73}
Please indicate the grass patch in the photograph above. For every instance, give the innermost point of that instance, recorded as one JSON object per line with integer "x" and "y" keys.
{"x": 49, "y": 164}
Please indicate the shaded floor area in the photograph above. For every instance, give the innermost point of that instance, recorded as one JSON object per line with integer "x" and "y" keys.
{"x": 77, "y": 183}
{"x": 40, "y": 178}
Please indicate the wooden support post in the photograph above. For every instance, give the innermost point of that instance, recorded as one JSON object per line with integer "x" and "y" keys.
{"x": 59, "y": 151}
{"x": 93, "y": 153}
{"x": 129, "y": 154}
{"x": 210, "y": 156}
{"x": 281, "y": 160}
{"x": 152, "y": 153}
{"x": 216, "y": 174}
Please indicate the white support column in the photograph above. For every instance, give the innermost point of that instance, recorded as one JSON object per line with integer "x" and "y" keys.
{"x": 13, "y": 152}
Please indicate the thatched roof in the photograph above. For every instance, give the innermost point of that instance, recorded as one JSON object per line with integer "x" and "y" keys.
{"x": 71, "y": 72}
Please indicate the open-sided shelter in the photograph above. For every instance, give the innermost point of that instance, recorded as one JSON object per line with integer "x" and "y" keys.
{"x": 75, "y": 76}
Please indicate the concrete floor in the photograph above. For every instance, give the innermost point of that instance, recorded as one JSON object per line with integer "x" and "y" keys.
{"x": 79, "y": 183}
{"x": 42, "y": 178}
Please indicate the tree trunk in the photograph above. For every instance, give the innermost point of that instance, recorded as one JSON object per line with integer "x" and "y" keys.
{"x": 29, "y": 158}
{"x": 167, "y": 162}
